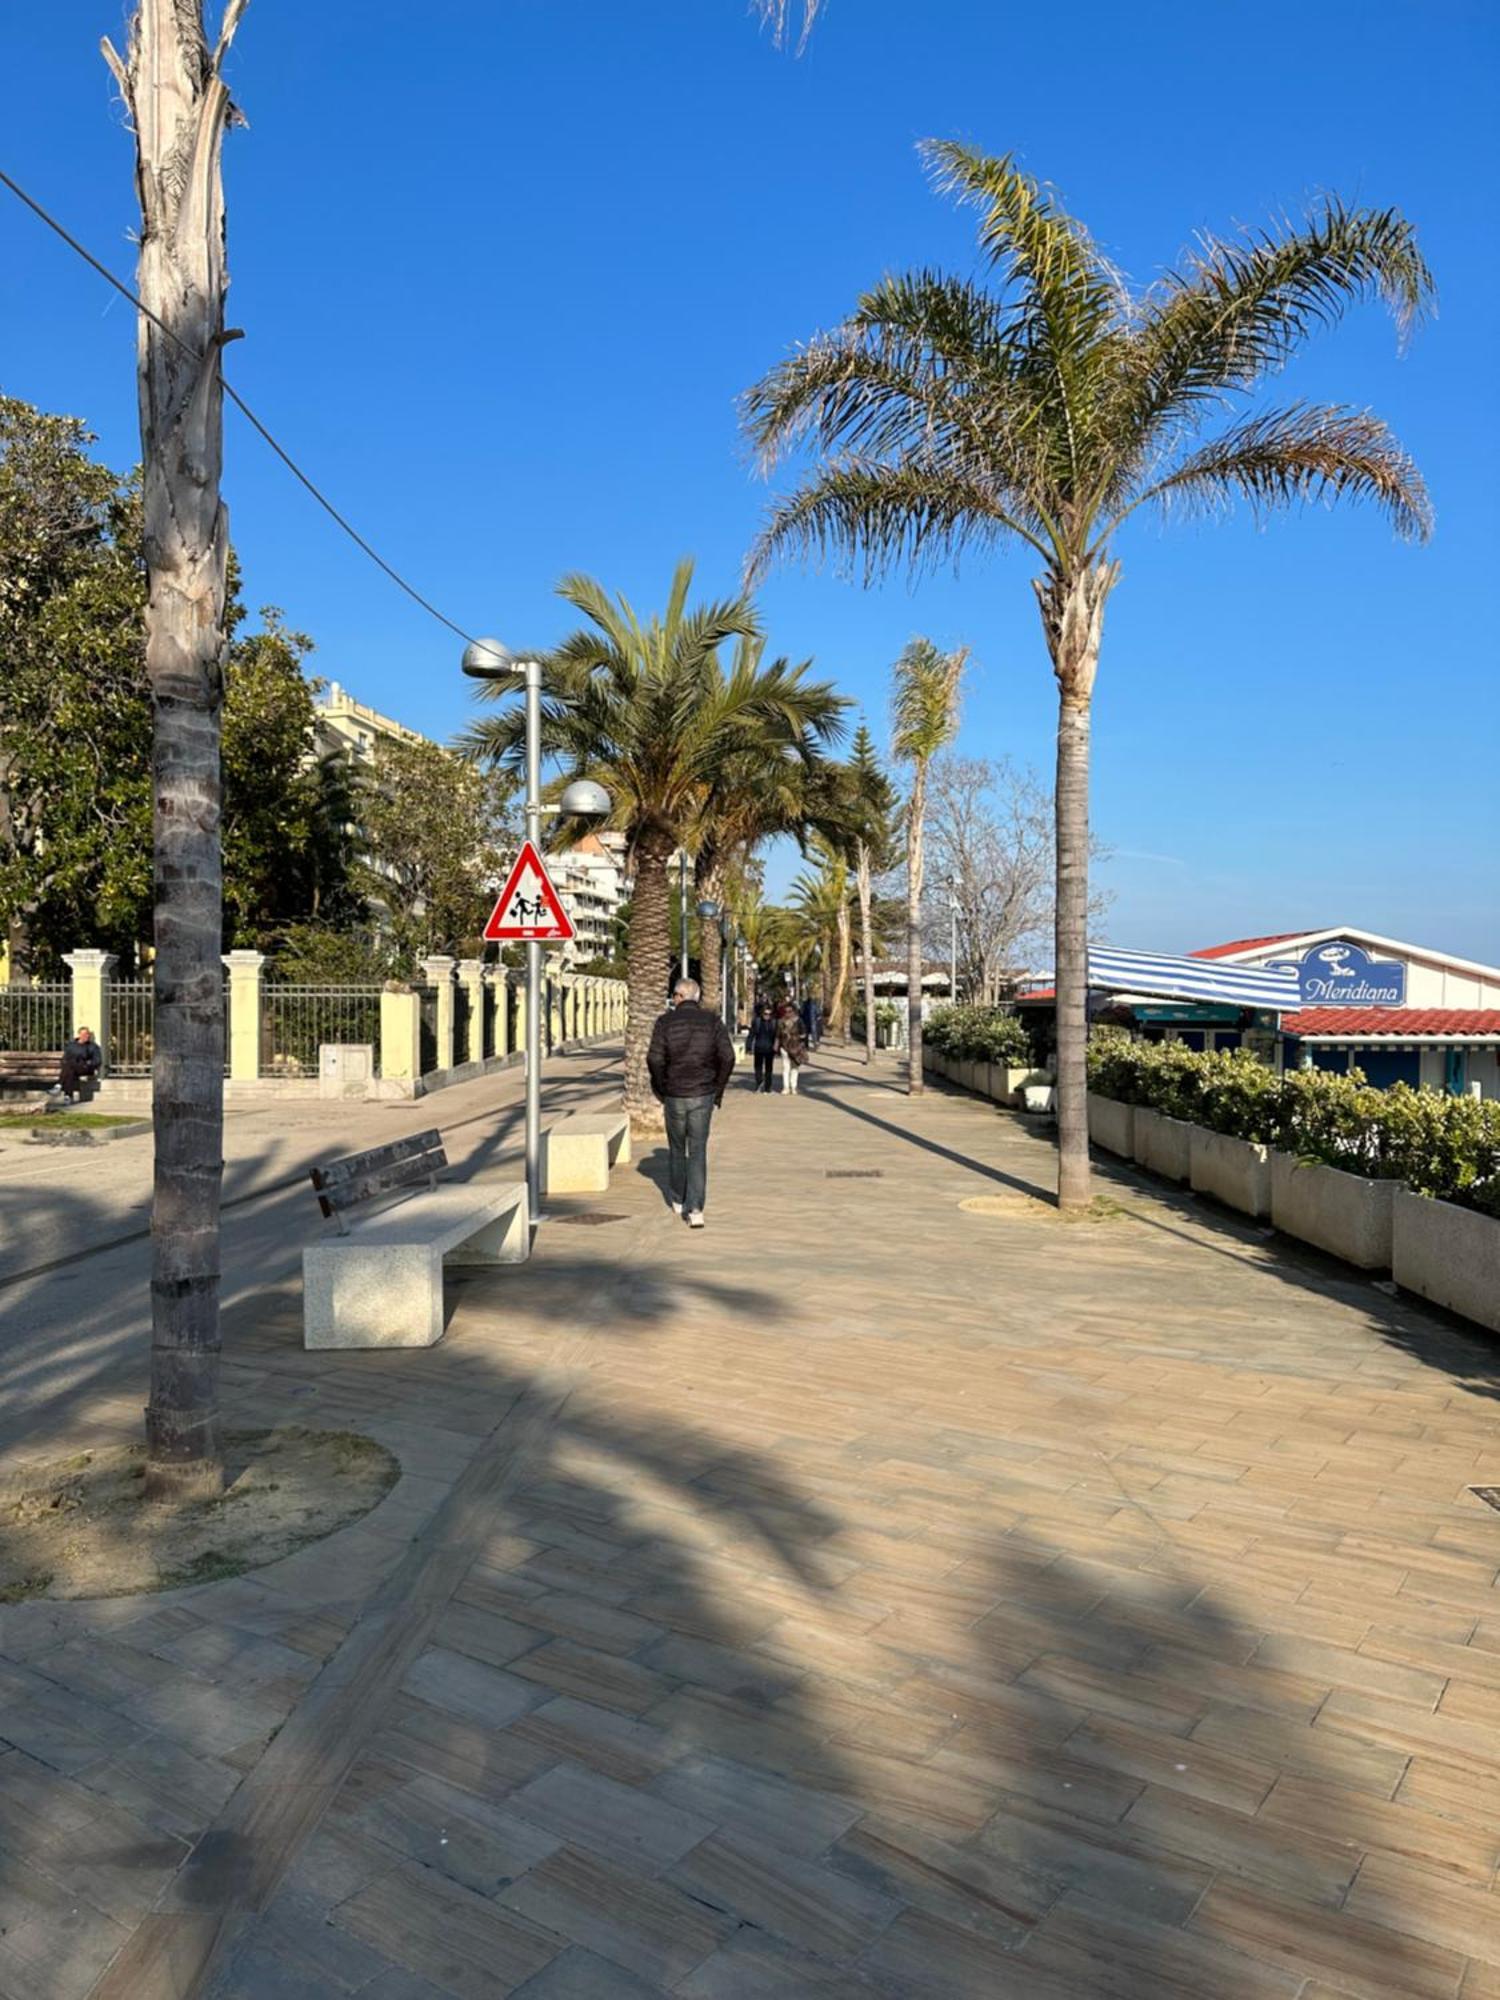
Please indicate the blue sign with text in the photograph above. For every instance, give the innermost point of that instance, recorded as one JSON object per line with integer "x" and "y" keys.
{"x": 1343, "y": 975}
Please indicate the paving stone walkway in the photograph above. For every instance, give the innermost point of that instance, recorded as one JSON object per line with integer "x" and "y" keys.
{"x": 865, "y": 1596}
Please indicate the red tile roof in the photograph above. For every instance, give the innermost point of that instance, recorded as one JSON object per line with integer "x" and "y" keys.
{"x": 1245, "y": 944}
{"x": 1397, "y": 1022}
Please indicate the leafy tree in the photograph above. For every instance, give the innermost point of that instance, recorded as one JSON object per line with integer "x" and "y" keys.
{"x": 271, "y": 781}
{"x": 924, "y": 706}
{"x": 435, "y": 830}
{"x": 75, "y": 723}
{"x": 648, "y": 710}
{"x": 316, "y": 955}
{"x": 1049, "y": 410}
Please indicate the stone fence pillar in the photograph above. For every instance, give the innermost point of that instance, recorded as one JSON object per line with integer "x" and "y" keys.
{"x": 244, "y": 1007}
{"x": 91, "y": 974}
{"x": 439, "y": 973}
{"x": 471, "y": 978}
{"x": 400, "y": 1036}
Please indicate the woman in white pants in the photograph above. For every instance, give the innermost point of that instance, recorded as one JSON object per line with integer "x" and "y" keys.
{"x": 792, "y": 1043}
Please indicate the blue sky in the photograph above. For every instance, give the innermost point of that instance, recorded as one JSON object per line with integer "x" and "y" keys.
{"x": 504, "y": 269}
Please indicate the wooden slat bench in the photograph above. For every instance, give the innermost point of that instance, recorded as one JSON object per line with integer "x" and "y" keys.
{"x": 579, "y": 1150}
{"x": 31, "y": 1070}
{"x": 381, "y": 1284}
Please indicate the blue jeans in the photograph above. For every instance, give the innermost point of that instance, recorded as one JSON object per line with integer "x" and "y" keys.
{"x": 688, "y": 1120}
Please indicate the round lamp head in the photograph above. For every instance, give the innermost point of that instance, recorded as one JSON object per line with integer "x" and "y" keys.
{"x": 585, "y": 800}
{"x": 488, "y": 660}
{"x": 708, "y": 907}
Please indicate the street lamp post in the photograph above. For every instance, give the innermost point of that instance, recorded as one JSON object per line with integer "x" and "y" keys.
{"x": 488, "y": 660}
{"x": 953, "y": 907}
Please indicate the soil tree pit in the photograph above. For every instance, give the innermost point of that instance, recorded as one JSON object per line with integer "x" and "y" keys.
{"x": 81, "y": 1526}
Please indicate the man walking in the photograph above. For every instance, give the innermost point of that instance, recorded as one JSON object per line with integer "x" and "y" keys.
{"x": 691, "y": 1060}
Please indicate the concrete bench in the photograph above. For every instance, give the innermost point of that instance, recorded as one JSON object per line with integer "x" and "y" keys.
{"x": 579, "y": 1150}
{"x": 381, "y": 1285}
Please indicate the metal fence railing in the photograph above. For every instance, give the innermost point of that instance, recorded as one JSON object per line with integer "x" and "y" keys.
{"x": 132, "y": 1014}
{"x": 461, "y": 1010}
{"x": 296, "y": 1020}
{"x": 132, "y": 1027}
{"x": 427, "y": 1012}
{"x": 35, "y": 1020}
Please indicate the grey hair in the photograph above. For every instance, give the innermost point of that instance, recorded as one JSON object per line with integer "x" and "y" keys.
{"x": 687, "y": 989}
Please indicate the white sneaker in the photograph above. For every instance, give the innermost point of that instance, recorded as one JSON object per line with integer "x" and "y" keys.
{"x": 677, "y": 1208}
{"x": 695, "y": 1218}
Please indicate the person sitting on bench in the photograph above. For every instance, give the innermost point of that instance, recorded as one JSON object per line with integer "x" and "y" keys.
{"x": 80, "y": 1063}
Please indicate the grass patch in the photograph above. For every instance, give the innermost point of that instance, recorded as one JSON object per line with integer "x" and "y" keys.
{"x": 64, "y": 1121}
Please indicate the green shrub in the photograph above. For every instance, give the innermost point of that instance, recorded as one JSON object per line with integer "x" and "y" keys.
{"x": 1439, "y": 1145}
{"x": 979, "y": 1034}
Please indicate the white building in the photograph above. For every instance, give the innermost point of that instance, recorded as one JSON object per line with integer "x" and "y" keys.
{"x": 590, "y": 879}
{"x": 342, "y": 723}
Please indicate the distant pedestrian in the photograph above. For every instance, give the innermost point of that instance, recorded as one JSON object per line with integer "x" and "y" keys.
{"x": 762, "y": 1044}
{"x": 80, "y": 1064}
{"x": 691, "y": 1060}
{"x": 792, "y": 1043}
{"x": 812, "y": 1020}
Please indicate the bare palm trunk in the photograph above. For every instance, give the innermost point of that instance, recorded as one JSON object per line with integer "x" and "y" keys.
{"x": 915, "y": 814}
{"x": 838, "y": 1011}
{"x": 180, "y": 109}
{"x": 862, "y": 878}
{"x": 1073, "y": 618}
{"x": 650, "y": 968}
{"x": 710, "y": 944}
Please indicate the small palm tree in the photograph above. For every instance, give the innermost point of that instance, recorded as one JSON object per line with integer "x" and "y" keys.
{"x": 820, "y": 907}
{"x": 1050, "y": 410}
{"x": 767, "y": 786}
{"x": 647, "y": 710}
{"x": 925, "y": 716}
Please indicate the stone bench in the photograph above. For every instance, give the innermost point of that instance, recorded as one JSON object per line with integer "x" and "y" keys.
{"x": 381, "y": 1284}
{"x": 579, "y": 1150}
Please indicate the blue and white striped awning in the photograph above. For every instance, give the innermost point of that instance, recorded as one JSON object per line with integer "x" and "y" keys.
{"x": 1154, "y": 973}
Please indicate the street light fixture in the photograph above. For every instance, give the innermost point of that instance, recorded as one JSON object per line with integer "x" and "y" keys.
{"x": 490, "y": 659}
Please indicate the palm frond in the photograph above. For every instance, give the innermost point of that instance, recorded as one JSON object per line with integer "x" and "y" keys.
{"x": 1305, "y": 452}
{"x": 924, "y": 700}
{"x": 881, "y": 517}
{"x": 1239, "y": 309}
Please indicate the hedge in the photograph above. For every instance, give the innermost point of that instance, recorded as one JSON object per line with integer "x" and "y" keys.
{"x": 1439, "y": 1145}
{"x": 979, "y": 1034}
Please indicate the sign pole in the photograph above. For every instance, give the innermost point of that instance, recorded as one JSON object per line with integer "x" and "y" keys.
{"x": 533, "y": 672}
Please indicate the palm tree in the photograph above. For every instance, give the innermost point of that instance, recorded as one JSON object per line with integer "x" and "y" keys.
{"x": 766, "y": 786}
{"x": 925, "y": 716}
{"x": 647, "y": 709}
{"x": 820, "y": 908}
{"x": 872, "y": 808}
{"x": 1049, "y": 410}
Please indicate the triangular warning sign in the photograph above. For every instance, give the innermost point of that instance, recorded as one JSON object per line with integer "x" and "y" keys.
{"x": 529, "y": 910}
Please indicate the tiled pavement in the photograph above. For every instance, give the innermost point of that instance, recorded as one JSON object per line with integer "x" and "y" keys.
{"x": 865, "y": 1596}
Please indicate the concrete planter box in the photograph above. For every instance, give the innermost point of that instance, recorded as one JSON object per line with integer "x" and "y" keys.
{"x": 1342, "y": 1213}
{"x": 1112, "y": 1125}
{"x": 1162, "y": 1144}
{"x": 1008, "y": 1082}
{"x": 1234, "y": 1171}
{"x": 1448, "y": 1254}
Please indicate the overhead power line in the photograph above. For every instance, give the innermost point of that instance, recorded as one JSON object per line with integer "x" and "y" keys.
{"x": 240, "y": 404}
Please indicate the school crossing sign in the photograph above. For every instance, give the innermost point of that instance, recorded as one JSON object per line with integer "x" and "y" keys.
{"x": 529, "y": 910}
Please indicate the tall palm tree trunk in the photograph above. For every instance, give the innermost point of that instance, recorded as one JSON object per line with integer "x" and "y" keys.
{"x": 710, "y": 887}
{"x": 916, "y": 813}
{"x": 838, "y": 1011}
{"x": 650, "y": 969}
{"x": 862, "y": 879}
{"x": 180, "y": 109}
{"x": 1073, "y": 619}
